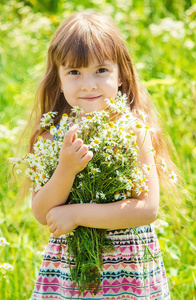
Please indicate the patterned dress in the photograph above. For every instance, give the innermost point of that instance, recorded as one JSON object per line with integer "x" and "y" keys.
{"x": 134, "y": 270}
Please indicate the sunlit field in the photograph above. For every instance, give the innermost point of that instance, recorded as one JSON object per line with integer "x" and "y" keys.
{"x": 161, "y": 37}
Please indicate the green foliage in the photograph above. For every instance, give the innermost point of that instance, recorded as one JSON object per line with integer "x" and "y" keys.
{"x": 164, "y": 54}
{"x": 87, "y": 246}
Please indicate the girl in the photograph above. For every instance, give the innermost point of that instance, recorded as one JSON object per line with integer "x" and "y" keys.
{"x": 88, "y": 61}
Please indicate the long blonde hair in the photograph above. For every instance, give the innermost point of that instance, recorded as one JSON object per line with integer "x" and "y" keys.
{"x": 78, "y": 39}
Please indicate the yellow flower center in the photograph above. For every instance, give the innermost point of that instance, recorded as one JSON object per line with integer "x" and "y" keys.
{"x": 132, "y": 133}
{"x": 111, "y": 124}
{"x": 96, "y": 141}
{"x": 138, "y": 125}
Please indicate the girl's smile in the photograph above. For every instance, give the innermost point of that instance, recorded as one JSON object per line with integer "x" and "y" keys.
{"x": 89, "y": 87}
{"x": 90, "y": 98}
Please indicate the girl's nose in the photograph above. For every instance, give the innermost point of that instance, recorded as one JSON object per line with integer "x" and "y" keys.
{"x": 88, "y": 84}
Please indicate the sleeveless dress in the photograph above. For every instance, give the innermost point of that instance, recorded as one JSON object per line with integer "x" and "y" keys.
{"x": 130, "y": 272}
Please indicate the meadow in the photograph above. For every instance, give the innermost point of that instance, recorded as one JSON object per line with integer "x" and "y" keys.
{"x": 161, "y": 38}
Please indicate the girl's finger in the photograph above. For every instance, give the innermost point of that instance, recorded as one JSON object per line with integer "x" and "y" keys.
{"x": 82, "y": 150}
{"x": 56, "y": 234}
{"x": 76, "y": 145}
{"x": 74, "y": 137}
{"x": 70, "y": 135}
{"x": 49, "y": 221}
{"x": 48, "y": 218}
{"x": 87, "y": 157}
{"x": 52, "y": 228}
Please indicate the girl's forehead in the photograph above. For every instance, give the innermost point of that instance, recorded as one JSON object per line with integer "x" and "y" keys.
{"x": 92, "y": 62}
{"x": 83, "y": 55}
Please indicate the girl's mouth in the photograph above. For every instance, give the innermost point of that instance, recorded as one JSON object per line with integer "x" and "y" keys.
{"x": 90, "y": 98}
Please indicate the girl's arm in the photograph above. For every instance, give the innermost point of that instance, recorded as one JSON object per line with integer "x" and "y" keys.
{"x": 136, "y": 211}
{"x": 74, "y": 156}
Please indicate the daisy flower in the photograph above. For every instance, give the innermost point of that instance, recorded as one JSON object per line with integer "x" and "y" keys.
{"x": 129, "y": 194}
{"x": 7, "y": 267}
{"x": 64, "y": 119}
{"x": 38, "y": 146}
{"x": 107, "y": 156}
{"x": 30, "y": 173}
{"x": 160, "y": 224}
{"x": 137, "y": 125}
{"x": 142, "y": 115}
{"x": 163, "y": 165}
{"x": 173, "y": 177}
{"x": 138, "y": 190}
{"x": 60, "y": 133}
{"x": 38, "y": 187}
{"x": 153, "y": 151}
{"x": 122, "y": 97}
{"x": 53, "y": 130}
{"x": 117, "y": 196}
{"x": 146, "y": 168}
{"x": 18, "y": 171}
{"x": 3, "y": 241}
{"x": 146, "y": 190}
{"x": 95, "y": 170}
{"x": 77, "y": 110}
{"x": 11, "y": 160}
{"x": 80, "y": 175}
{"x": 129, "y": 184}
{"x": 95, "y": 143}
{"x": 47, "y": 119}
{"x": 102, "y": 114}
{"x": 86, "y": 120}
{"x": 100, "y": 195}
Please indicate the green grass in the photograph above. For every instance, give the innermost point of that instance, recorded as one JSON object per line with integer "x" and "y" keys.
{"x": 165, "y": 59}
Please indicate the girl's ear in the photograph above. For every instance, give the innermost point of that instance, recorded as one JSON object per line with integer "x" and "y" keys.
{"x": 119, "y": 82}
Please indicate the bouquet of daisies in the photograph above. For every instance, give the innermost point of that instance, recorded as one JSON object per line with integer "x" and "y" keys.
{"x": 112, "y": 175}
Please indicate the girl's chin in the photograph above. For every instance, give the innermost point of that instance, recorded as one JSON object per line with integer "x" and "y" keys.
{"x": 93, "y": 109}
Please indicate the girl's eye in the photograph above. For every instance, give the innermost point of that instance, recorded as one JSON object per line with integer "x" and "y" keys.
{"x": 102, "y": 70}
{"x": 74, "y": 72}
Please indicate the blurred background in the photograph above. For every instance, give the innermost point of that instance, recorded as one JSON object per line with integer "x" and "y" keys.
{"x": 161, "y": 37}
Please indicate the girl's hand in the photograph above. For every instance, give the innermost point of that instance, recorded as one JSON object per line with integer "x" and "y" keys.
{"x": 60, "y": 220}
{"x": 74, "y": 155}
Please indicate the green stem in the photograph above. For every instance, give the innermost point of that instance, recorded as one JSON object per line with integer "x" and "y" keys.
{"x": 144, "y": 245}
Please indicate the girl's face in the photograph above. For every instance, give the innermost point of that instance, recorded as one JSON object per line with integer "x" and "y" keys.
{"x": 88, "y": 87}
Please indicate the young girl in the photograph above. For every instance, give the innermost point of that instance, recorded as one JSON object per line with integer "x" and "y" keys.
{"x": 88, "y": 61}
